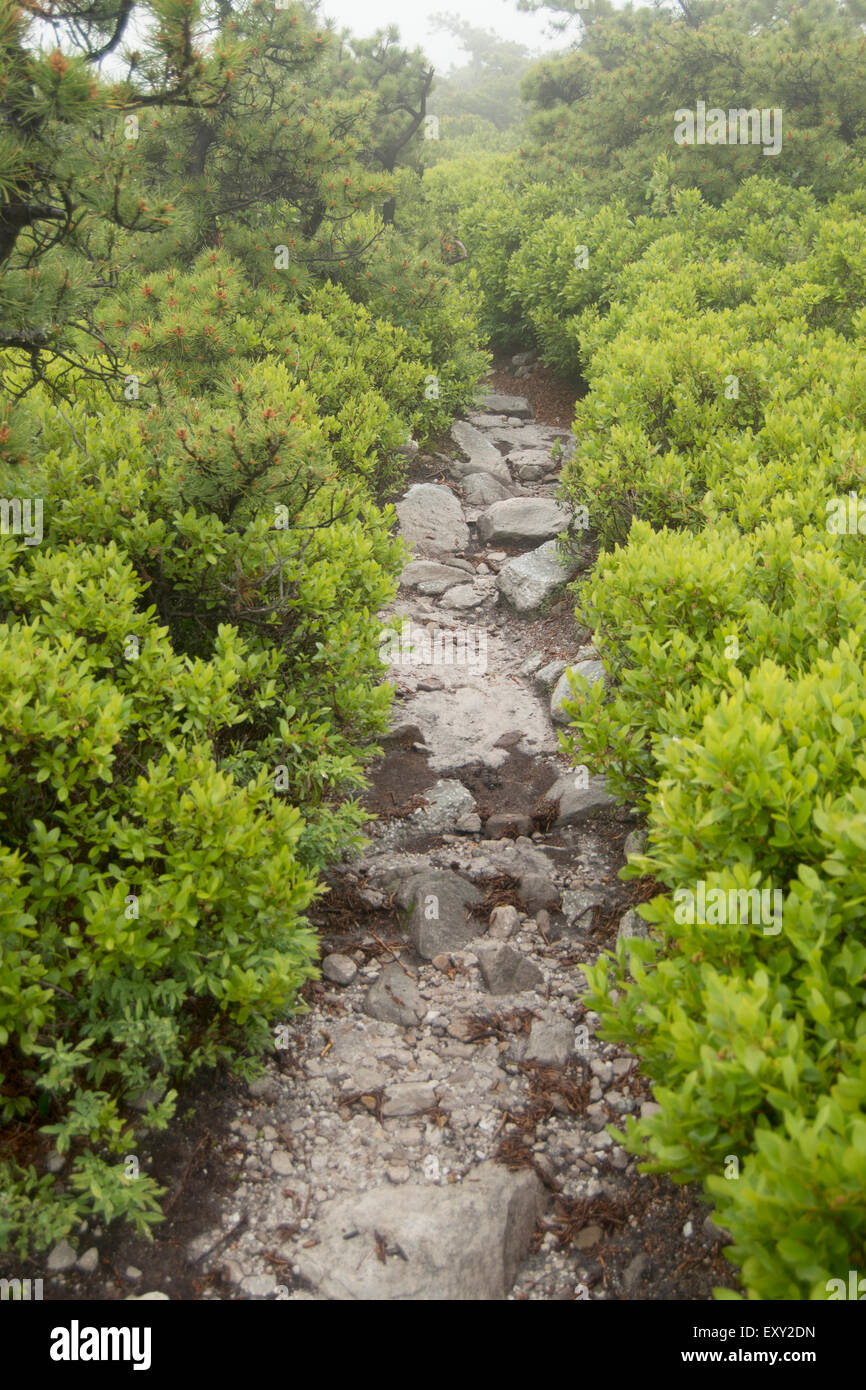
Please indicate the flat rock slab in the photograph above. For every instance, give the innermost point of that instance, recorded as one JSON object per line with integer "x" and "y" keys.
{"x": 496, "y": 404}
{"x": 482, "y": 455}
{"x": 483, "y": 489}
{"x": 431, "y": 520}
{"x": 460, "y": 1242}
{"x": 466, "y": 596}
{"x": 439, "y": 920}
{"x": 483, "y": 421}
{"x": 528, "y": 580}
{"x": 431, "y": 577}
{"x": 509, "y": 438}
{"x": 522, "y": 519}
{"x": 463, "y": 723}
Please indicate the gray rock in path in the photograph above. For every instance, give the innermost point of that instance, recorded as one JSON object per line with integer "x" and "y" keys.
{"x": 469, "y": 824}
{"x": 531, "y": 472}
{"x": 403, "y": 730}
{"x": 341, "y": 969}
{"x": 550, "y": 674}
{"x": 394, "y": 998}
{"x": 482, "y": 455}
{"x": 431, "y": 520}
{"x": 498, "y": 404}
{"x": 484, "y": 421}
{"x": 504, "y": 922}
{"x": 154, "y": 1296}
{"x": 457, "y": 1242}
{"x": 523, "y": 359}
{"x": 259, "y": 1285}
{"x": 592, "y": 671}
{"x": 511, "y": 437}
{"x": 551, "y": 1040}
{"x": 447, "y": 800}
{"x": 577, "y": 905}
{"x": 528, "y": 580}
{"x": 532, "y": 664}
{"x": 483, "y": 489}
{"x": 431, "y": 577}
{"x": 504, "y": 821}
{"x": 577, "y": 803}
{"x": 506, "y": 971}
{"x": 538, "y": 891}
{"x": 530, "y": 458}
{"x": 520, "y": 519}
{"x": 408, "y": 1098}
{"x": 438, "y": 902}
{"x": 89, "y": 1261}
{"x": 464, "y": 596}
{"x": 62, "y": 1257}
{"x": 516, "y": 857}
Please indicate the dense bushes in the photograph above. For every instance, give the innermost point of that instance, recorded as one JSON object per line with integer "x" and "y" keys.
{"x": 215, "y": 344}
{"x": 724, "y": 416}
{"x": 158, "y": 865}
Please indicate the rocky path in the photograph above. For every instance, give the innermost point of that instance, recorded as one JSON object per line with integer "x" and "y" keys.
{"x": 436, "y": 1126}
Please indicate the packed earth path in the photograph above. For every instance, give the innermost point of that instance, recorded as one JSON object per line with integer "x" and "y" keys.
{"x": 436, "y": 1126}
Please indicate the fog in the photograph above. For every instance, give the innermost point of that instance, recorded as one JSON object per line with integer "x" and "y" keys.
{"x": 502, "y": 16}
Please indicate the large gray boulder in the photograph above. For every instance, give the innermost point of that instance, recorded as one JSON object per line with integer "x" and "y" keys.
{"x": 438, "y": 902}
{"x": 460, "y": 1242}
{"x": 431, "y": 520}
{"x": 528, "y": 580}
{"x": 521, "y": 519}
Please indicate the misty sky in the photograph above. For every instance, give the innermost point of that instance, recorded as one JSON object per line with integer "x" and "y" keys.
{"x": 502, "y": 16}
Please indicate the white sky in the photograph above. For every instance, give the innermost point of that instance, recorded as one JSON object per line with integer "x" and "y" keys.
{"x": 363, "y": 17}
